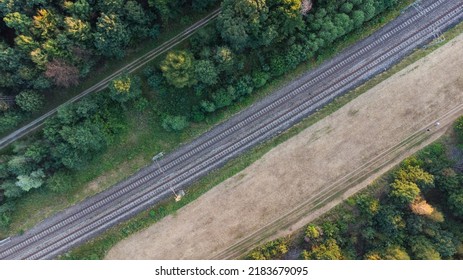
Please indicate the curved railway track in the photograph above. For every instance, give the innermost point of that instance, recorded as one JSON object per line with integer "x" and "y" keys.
{"x": 279, "y": 112}
{"x": 131, "y": 67}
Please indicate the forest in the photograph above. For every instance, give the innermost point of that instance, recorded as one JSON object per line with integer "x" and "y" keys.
{"x": 47, "y": 45}
{"x": 416, "y": 214}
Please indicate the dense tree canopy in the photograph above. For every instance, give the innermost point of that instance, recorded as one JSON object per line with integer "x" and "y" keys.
{"x": 178, "y": 69}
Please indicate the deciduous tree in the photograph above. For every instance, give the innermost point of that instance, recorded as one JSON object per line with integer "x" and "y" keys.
{"x": 62, "y": 73}
{"x": 178, "y": 69}
{"x": 29, "y": 101}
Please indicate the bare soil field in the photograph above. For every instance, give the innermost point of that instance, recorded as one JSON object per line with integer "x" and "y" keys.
{"x": 310, "y": 173}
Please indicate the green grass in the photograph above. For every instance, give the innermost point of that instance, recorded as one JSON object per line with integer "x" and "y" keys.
{"x": 98, "y": 247}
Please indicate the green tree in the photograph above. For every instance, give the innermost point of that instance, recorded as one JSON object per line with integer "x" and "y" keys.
{"x": 87, "y": 137}
{"x": 36, "y": 152}
{"x": 78, "y": 29}
{"x": 174, "y": 123}
{"x": 125, "y": 88}
{"x": 10, "y": 189}
{"x": 165, "y": 9}
{"x": 178, "y": 69}
{"x": 29, "y": 101}
{"x": 346, "y": 7}
{"x": 270, "y": 250}
{"x": 455, "y": 201}
{"x": 242, "y": 23}
{"x": 260, "y": 78}
{"x": 396, "y": 253}
{"x": 368, "y": 205}
{"x": 329, "y": 250}
{"x": 6, "y": 209}
{"x": 390, "y": 223}
{"x": 138, "y": 20}
{"x": 19, "y": 22}
{"x": 404, "y": 191}
{"x": 111, "y": 36}
{"x": 9, "y": 120}
{"x": 18, "y": 165}
{"x": 286, "y": 16}
{"x": 368, "y": 7}
{"x": 45, "y": 23}
{"x": 74, "y": 144}
{"x": 110, "y": 6}
{"x": 225, "y": 58}
{"x": 312, "y": 233}
{"x": 80, "y": 9}
{"x": 423, "y": 249}
{"x": 415, "y": 174}
{"x": 358, "y": 18}
{"x": 208, "y": 106}
{"x": 202, "y": 5}
{"x": 33, "y": 181}
{"x": 458, "y": 128}
{"x": 26, "y": 43}
{"x": 205, "y": 72}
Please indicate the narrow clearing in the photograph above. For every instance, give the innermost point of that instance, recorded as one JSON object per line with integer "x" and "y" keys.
{"x": 335, "y": 157}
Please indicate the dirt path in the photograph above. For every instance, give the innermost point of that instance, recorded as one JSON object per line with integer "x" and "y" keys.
{"x": 310, "y": 173}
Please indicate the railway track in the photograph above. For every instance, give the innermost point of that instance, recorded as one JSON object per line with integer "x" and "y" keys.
{"x": 131, "y": 67}
{"x": 255, "y": 126}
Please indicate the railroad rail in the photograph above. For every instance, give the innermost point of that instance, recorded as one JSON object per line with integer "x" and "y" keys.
{"x": 260, "y": 122}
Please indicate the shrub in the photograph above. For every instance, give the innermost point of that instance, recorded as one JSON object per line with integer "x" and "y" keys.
{"x": 174, "y": 123}
{"x": 33, "y": 181}
{"x": 29, "y": 101}
{"x": 5, "y": 214}
{"x": 271, "y": 250}
{"x": 125, "y": 88}
{"x": 141, "y": 104}
{"x": 59, "y": 182}
{"x": 11, "y": 190}
{"x": 9, "y": 120}
{"x": 208, "y": 106}
{"x": 260, "y": 78}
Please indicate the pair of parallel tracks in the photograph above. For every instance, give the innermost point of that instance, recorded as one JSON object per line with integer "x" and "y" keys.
{"x": 87, "y": 225}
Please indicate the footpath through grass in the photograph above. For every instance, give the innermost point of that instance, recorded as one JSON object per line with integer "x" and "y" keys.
{"x": 98, "y": 247}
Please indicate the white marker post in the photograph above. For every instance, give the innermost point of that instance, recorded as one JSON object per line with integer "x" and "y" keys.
{"x": 178, "y": 197}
